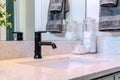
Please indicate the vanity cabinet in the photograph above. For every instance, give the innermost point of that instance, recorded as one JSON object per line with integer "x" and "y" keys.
{"x": 117, "y": 76}
{"x": 111, "y": 77}
{"x": 114, "y": 76}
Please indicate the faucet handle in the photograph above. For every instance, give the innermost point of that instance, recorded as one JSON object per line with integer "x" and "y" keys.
{"x": 41, "y": 32}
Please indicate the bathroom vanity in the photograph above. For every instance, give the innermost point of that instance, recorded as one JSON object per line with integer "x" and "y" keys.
{"x": 62, "y": 67}
{"x": 113, "y": 76}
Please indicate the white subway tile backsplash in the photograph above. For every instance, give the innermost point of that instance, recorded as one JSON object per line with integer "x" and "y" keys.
{"x": 20, "y": 49}
{"x": 109, "y": 45}
{"x": 15, "y": 49}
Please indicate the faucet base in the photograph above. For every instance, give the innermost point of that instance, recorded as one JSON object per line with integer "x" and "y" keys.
{"x": 37, "y": 56}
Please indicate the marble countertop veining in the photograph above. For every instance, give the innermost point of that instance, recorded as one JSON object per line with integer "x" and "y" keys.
{"x": 14, "y": 69}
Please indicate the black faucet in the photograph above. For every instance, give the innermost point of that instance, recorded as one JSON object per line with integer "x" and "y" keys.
{"x": 39, "y": 43}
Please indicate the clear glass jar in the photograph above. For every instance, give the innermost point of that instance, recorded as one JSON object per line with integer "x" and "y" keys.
{"x": 89, "y": 35}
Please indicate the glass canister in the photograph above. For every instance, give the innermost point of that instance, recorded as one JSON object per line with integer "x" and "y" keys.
{"x": 89, "y": 35}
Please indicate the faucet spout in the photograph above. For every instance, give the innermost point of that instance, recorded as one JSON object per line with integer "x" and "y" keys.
{"x": 54, "y": 45}
{"x": 48, "y": 43}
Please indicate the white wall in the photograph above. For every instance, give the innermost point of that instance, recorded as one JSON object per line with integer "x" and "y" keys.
{"x": 38, "y": 14}
{"x": 25, "y": 18}
{"x": 93, "y": 9}
{"x": 21, "y": 17}
{"x": 2, "y": 29}
{"x": 2, "y": 33}
{"x": 30, "y": 19}
{"x": 77, "y": 10}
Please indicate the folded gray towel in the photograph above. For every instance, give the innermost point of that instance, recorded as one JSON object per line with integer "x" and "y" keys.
{"x": 110, "y": 18}
{"x": 108, "y": 2}
{"x": 56, "y": 6}
{"x": 56, "y": 14}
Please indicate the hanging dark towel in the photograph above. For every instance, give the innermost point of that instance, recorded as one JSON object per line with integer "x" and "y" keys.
{"x": 56, "y": 14}
{"x": 108, "y": 3}
{"x": 110, "y": 18}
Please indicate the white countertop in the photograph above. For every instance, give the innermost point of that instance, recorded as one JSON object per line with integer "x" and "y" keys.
{"x": 14, "y": 69}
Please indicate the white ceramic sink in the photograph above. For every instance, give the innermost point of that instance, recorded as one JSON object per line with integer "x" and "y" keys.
{"x": 65, "y": 62}
{"x": 72, "y": 62}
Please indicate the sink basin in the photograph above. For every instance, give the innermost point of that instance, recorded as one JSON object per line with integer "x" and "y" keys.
{"x": 69, "y": 63}
{"x": 64, "y": 62}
